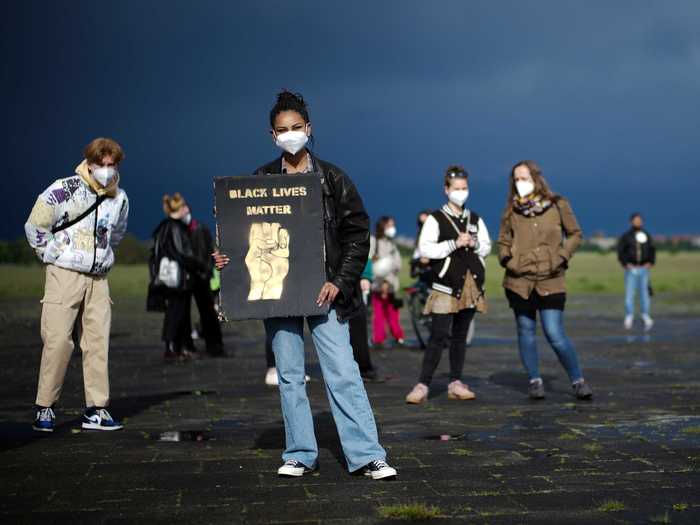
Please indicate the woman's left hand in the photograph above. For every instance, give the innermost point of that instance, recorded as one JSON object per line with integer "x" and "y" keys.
{"x": 328, "y": 293}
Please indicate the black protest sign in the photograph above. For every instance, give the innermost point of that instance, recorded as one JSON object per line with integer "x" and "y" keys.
{"x": 271, "y": 227}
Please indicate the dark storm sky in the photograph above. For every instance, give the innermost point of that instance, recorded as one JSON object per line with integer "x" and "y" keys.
{"x": 604, "y": 95}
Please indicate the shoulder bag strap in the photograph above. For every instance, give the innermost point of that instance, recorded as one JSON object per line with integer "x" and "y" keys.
{"x": 80, "y": 217}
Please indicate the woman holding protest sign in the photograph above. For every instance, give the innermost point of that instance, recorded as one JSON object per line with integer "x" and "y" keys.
{"x": 346, "y": 234}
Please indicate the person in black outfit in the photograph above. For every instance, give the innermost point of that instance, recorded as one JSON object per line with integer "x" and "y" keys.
{"x": 172, "y": 266}
{"x": 202, "y": 247}
{"x": 637, "y": 254}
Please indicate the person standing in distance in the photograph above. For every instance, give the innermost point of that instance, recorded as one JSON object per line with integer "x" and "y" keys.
{"x": 637, "y": 254}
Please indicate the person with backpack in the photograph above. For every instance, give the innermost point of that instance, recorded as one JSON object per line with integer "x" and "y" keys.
{"x": 456, "y": 240}
{"x": 538, "y": 237}
{"x": 174, "y": 267}
{"x": 74, "y": 227}
{"x": 346, "y": 243}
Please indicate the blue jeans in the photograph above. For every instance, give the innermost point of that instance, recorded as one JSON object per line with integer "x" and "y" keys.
{"x": 350, "y": 407}
{"x": 637, "y": 279}
{"x": 553, "y": 326}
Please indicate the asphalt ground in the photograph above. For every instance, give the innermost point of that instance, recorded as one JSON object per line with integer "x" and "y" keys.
{"x": 631, "y": 455}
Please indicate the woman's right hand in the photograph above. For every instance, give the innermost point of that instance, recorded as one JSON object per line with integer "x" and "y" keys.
{"x": 464, "y": 240}
{"x": 220, "y": 260}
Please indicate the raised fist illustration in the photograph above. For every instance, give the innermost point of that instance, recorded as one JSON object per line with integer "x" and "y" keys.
{"x": 267, "y": 260}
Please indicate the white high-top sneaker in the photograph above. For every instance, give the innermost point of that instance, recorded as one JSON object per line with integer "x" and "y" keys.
{"x": 629, "y": 321}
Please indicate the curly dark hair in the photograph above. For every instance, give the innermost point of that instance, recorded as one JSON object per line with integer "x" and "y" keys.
{"x": 288, "y": 101}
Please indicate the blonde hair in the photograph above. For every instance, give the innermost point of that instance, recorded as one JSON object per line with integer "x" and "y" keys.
{"x": 173, "y": 204}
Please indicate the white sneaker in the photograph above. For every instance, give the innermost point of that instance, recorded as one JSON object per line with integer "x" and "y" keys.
{"x": 648, "y": 322}
{"x": 271, "y": 378}
{"x": 293, "y": 469}
{"x": 380, "y": 469}
{"x": 629, "y": 321}
{"x": 99, "y": 419}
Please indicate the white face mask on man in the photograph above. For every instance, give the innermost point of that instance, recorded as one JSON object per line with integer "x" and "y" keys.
{"x": 524, "y": 187}
{"x": 291, "y": 141}
{"x": 104, "y": 174}
{"x": 390, "y": 232}
{"x": 458, "y": 197}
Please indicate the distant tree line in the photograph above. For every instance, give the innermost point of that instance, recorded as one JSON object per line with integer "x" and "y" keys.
{"x": 130, "y": 251}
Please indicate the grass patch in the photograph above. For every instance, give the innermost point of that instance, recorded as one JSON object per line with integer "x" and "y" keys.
{"x": 589, "y": 273}
{"x": 593, "y": 447}
{"x": 601, "y": 273}
{"x": 680, "y": 507}
{"x": 691, "y": 430}
{"x": 567, "y": 436}
{"x": 408, "y": 511}
{"x": 611, "y": 505}
{"x": 461, "y": 452}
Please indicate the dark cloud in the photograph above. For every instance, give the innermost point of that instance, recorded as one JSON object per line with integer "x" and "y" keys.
{"x": 602, "y": 94}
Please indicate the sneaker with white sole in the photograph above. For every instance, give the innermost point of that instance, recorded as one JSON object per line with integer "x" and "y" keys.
{"x": 418, "y": 395}
{"x": 628, "y": 322}
{"x": 648, "y": 322}
{"x": 380, "y": 469}
{"x": 458, "y": 390}
{"x": 99, "y": 419}
{"x": 45, "y": 419}
{"x": 294, "y": 469}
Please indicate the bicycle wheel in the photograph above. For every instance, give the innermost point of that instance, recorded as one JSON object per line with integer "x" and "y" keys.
{"x": 420, "y": 322}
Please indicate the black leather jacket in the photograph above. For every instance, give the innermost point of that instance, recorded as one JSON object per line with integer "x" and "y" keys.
{"x": 202, "y": 248}
{"x": 171, "y": 240}
{"x": 346, "y": 231}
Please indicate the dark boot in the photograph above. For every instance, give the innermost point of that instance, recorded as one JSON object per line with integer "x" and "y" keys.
{"x": 170, "y": 355}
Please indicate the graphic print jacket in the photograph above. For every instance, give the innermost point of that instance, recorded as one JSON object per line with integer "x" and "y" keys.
{"x": 86, "y": 246}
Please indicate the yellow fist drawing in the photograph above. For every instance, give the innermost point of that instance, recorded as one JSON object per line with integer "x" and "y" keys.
{"x": 267, "y": 260}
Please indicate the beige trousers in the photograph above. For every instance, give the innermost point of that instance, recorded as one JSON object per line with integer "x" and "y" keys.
{"x": 66, "y": 294}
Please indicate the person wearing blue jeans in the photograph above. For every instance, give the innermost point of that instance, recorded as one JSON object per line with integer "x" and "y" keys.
{"x": 552, "y": 321}
{"x": 637, "y": 254}
{"x": 346, "y": 247}
{"x": 637, "y": 279}
{"x": 538, "y": 237}
{"x": 344, "y": 386}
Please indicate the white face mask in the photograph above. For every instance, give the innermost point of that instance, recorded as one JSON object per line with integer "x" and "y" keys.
{"x": 458, "y": 197}
{"x": 524, "y": 187}
{"x": 292, "y": 141}
{"x": 187, "y": 219}
{"x": 104, "y": 174}
{"x": 390, "y": 232}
